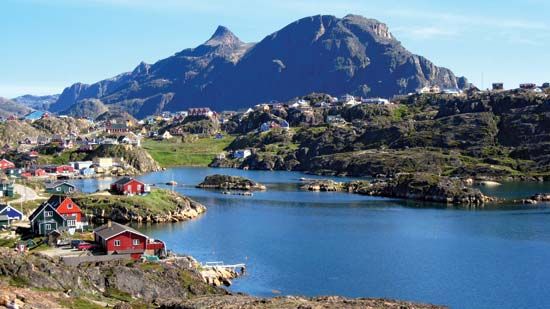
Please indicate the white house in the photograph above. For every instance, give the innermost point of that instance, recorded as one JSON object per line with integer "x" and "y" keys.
{"x": 242, "y": 154}
{"x": 430, "y": 89}
{"x": 378, "y": 101}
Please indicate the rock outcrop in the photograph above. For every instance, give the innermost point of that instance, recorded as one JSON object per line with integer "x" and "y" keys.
{"x": 39, "y": 281}
{"x": 226, "y": 182}
{"x": 110, "y": 280}
{"x": 417, "y": 186}
{"x": 290, "y": 302}
{"x": 136, "y": 157}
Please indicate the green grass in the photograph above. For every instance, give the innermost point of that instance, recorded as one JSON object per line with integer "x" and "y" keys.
{"x": 8, "y": 243}
{"x": 174, "y": 152}
{"x": 20, "y": 282}
{"x": 117, "y": 294}
{"x": 151, "y": 267}
{"x": 79, "y": 303}
{"x": 157, "y": 202}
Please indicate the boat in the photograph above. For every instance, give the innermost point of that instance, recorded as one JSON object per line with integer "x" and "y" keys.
{"x": 172, "y": 183}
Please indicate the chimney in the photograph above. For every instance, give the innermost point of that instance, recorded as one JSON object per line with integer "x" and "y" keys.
{"x": 109, "y": 224}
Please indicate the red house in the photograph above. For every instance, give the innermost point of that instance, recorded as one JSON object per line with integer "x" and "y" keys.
{"x": 5, "y": 164}
{"x": 116, "y": 238}
{"x": 61, "y": 169}
{"x": 68, "y": 209}
{"x": 39, "y": 172}
{"x": 129, "y": 186}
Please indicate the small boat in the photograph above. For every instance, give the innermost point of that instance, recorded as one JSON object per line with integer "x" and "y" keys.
{"x": 247, "y": 193}
{"x": 226, "y": 192}
{"x": 172, "y": 183}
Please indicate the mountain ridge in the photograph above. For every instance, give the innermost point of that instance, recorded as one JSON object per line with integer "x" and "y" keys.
{"x": 321, "y": 53}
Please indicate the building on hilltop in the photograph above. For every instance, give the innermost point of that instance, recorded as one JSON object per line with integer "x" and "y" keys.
{"x": 498, "y": 86}
{"x": 129, "y": 186}
{"x": 528, "y": 86}
{"x": 200, "y": 111}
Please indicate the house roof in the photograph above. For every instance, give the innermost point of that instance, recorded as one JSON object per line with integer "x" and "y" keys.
{"x": 107, "y": 231}
{"x": 125, "y": 180}
{"x": 41, "y": 208}
{"x": 57, "y": 184}
{"x": 3, "y": 207}
{"x": 56, "y": 200}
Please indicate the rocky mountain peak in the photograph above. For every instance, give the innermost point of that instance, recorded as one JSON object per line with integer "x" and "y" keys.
{"x": 223, "y": 36}
{"x": 374, "y": 26}
{"x": 142, "y": 68}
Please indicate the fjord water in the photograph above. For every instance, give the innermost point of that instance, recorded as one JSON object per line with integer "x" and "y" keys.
{"x": 306, "y": 243}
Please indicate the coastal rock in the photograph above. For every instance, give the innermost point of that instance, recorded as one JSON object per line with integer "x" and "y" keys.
{"x": 148, "y": 282}
{"x": 416, "y": 186}
{"x": 226, "y": 182}
{"x": 323, "y": 186}
{"x": 290, "y": 302}
{"x": 541, "y": 197}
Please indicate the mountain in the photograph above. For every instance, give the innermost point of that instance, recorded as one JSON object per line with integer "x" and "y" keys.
{"x": 321, "y": 53}
{"x": 37, "y": 102}
{"x": 90, "y": 108}
{"x": 9, "y": 108}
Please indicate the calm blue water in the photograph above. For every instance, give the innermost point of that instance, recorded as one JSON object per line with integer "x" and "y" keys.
{"x": 341, "y": 244}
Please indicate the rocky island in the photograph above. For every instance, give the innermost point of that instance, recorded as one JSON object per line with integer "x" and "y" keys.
{"x": 417, "y": 186}
{"x": 225, "y": 182}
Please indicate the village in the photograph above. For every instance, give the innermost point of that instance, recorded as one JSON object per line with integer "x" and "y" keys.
{"x": 58, "y": 215}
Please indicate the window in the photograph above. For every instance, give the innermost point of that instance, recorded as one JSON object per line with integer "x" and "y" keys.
{"x": 71, "y": 222}
{"x": 136, "y": 242}
{"x": 117, "y": 243}
{"x": 48, "y": 213}
{"x": 58, "y": 189}
{"x": 138, "y": 188}
{"x": 70, "y": 206}
{"x": 48, "y": 227}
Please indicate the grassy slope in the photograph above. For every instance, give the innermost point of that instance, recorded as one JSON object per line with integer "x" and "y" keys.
{"x": 177, "y": 153}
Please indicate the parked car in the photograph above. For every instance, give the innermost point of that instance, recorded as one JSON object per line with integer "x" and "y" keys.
{"x": 86, "y": 246}
{"x": 75, "y": 243}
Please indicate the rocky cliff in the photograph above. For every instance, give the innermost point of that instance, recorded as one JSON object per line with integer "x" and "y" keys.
{"x": 136, "y": 157}
{"x": 320, "y": 53}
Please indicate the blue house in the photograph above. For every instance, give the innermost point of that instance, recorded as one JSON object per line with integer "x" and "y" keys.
{"x": 10, "y": 213}
{"x": 88, "y": 171}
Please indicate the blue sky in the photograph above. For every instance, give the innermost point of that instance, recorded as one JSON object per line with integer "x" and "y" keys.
{"x": 49, "y": 44}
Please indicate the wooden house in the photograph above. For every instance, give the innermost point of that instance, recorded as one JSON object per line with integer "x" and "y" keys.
{"x": 45, "y": 219}
{"x": 129, "y": 186}
{"x": 60, "y": 188}
{"x": 115, "y": 238}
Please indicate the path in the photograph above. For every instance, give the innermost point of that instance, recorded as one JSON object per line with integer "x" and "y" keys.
{"x": 26, "y": 193}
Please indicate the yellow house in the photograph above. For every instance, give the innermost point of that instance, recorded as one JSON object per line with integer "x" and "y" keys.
{"x": 104, "y": 162}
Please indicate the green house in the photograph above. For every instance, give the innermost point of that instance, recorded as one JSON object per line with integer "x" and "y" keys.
{"x": 60, "y": 188}
{"x": 6, "y": 188}
{"x": 45, "y": 219}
